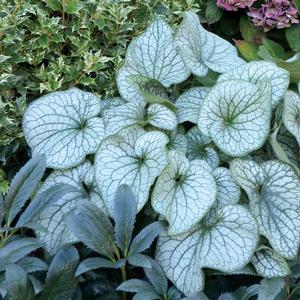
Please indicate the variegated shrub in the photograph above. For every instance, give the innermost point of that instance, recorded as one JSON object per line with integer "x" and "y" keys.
{"x": 218, "y": 163}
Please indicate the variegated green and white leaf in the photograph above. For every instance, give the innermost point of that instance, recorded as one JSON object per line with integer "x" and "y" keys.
{"x": 177, "y": 140}
{"x": 64, "y": 126}
{"x": 184, "y": 192}
{"x": 258, "y": 72}
{"x": 57, "y": 234}
{"x": 226, "y": 245}
{"x": 132, "y": 113}
{"x": 162, "y": 117}
{"x": 202, "y": 50}
{"x": 228, "y": 192}
{"x": 188, "y": 104}
{"x": 153, "y": 56}
{"x": 131, "y": 85}
{"x": 273, "y": 189}
{"x": 199, "y": 147}
{"x": 236, "y": 114}
{"x": 291, "y": 114}
{"x": 270, "y": 264}
{"x": 133, "y": 157}
{"x": 110, "y": 103}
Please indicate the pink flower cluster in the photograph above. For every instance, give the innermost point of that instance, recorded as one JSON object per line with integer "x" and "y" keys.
{"x": 233, "y": 5}
{"x": 274, "y": 14}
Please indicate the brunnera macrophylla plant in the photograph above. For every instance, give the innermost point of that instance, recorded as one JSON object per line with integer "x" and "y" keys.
{"x": 190, "y": 157}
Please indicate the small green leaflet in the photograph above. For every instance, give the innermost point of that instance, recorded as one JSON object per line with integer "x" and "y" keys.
{"x": 57, "y": 234}
{"x": 184, "y": 192}
{"x": 133, "y": 157}
{"x": 291, "y": 114}
{"x": 202, "y": 50}
{"x": 160, "y": 62}
{"x": 270, "y": 264}
{"x": 188, "y": 104}
{"x": 273, "y": 189}
{"x": 199, "y": 147}
{"x": 227, "y": 245}
{"x": 236, "y": 115}
{"x": 64, "y": 126}
{"x": 259, "y": 72}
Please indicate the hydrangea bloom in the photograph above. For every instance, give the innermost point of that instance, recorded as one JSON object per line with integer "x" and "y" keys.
{"x": 274, "y": 14}
{"x": 233, "y": 5}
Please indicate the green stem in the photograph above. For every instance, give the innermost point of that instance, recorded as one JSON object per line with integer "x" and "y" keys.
{"x": 124, "y": 278}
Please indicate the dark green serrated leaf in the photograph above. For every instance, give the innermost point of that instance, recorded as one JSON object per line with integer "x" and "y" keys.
{"x": 17, "y": 249}
{"x": 157, "y": 278}
{"x": 270, "y": 288}
{"x": 213, "y": 13}
{"x": 92, "y": 227}
{"x": 146, "y": 237}
{"x": 42, "y": 201}
{"x": 23, "y": 185}
{"x": 292, "y": 35}
{"x": 93, "y": 263}
{"x": 125, "y": 210}
{"x": 139, "y": 260}
{"x": 60, "y": 282}
{"x": 32, "y": 264}
{"x": 135, "y": 286}
{"x": 17, "y": 283}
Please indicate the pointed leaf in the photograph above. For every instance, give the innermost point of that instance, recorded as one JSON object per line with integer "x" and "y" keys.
{"x": 23, "y": 185}
{"x": 237, "y": 116}
{"x": 93, "y": 263}
{"x": 227, "y": 245}
{"x": 157, "y": 278}
{"x": 57, "y": 233}
{"x": 199, "y": 147}
{"x": 270, "y": 288}
{"x": 17, "y": 284}
{"x": 135, "y": 286}
{"x": 133, "y": 157}
{"x": 261, "y": 71}
{"x": 270, "y": 264}
{"x": 184, "y": 192}
{"x": 60, "y": 281}
{"x": 273, "y": 190}
{"x": 291, "y": 112}
{"x": 202, "y": 50}
{"x": 64, "y": 126}
{"x": 139, "y": 260}
{"x": 17, "y": 249}
{"x": 124, "y": 216}
{"x": 188, "y": 104}
{"x": 92, "y": 227}
{"x": 32, "y": 264}
{"x": 42, "y": 202}
{"x": 146, "y": 237}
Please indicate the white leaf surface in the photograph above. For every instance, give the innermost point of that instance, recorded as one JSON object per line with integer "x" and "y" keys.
{"x": 202, "y": 50}
{"x": 291, "y": 114}
{"x": 133, "y": 157}
{"x": 64, "y": 126}
{"x": 228, "y": 192}
{"x": 227, "y": 246}
{"x": 188, "y": 104}
{"x": 131, "y": 85}
{"x": 153, "y": 56}
{"x": 177, "y": 140}
{"x": 258, "y": 72}
{"x": 270, "y": 264}
{"x": 162, "y": 117}
{"x": 273, "y": 189}
{"x": 184, "y": 192}
{"x": 236, "y": 114}
{"x": 57, "y": 233}
{"x": 199, "y": 147}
